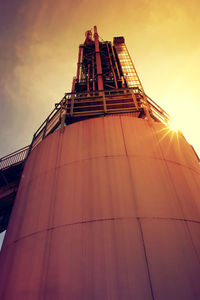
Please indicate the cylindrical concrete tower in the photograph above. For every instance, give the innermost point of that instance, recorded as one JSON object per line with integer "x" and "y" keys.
{"x": 108, "y": 207}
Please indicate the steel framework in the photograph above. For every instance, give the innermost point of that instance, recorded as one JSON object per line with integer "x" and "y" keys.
{"x": 106, "y": 82}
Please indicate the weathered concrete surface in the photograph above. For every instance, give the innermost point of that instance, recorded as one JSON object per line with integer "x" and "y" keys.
{"x": 110, "y": 209}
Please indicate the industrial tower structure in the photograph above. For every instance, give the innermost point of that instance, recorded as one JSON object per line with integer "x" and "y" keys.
{"x": 108, "y": 205}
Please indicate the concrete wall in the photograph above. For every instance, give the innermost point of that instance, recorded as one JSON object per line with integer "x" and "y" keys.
{"x": 109, "y": 209}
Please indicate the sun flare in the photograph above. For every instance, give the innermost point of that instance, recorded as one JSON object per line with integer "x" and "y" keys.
{"x": 173, "y": 125}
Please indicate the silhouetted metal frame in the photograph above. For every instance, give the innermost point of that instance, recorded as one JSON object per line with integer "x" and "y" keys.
{"x": 96, "y": 103}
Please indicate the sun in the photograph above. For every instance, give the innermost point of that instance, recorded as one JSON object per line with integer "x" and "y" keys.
{"x": 173, "y": 125}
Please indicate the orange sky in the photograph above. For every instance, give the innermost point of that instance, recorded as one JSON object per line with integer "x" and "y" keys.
{"x": 39, "y": 49}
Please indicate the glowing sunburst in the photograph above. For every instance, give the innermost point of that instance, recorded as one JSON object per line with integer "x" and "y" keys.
{"x": 173, "y": 125}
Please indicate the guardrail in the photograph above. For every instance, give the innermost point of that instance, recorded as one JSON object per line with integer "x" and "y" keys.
{"x": 87, "y": 104}
{"x": 157, "y": 112}
{"x": 13, "y": 158}
{"x": 75, "y": 106}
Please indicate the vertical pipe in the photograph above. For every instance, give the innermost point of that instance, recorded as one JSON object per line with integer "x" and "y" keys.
{"x": 78, "y": 64}
{"x": 73, "y": 84}
{"x": 88, "y": 79}
{"x": 81, "y": 63}
{"x": 116, "y": 85}
{"x": 98, "y": 60}
{"x": 113, "y": 53}
{"x": 93, "y": 72}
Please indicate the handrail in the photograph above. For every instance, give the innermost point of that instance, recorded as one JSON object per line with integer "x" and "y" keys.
{"x": 95, "y": 103}
{"x": 100, "y": 101}
{"x": 157, "y": 107}
{"x": 13, "y": 158}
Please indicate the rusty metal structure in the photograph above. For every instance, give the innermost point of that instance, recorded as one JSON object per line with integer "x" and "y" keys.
{"x": 108, "y": 197}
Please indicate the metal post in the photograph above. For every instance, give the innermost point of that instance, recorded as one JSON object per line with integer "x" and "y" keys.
{"x": 98, "y": 60}
{"x": 111, "y": 64}
{"x": 62, "y": 126}
{"x": 79, "y": 63}
{"x": 113, "y": 53}
{"x": 134, "y": 98}
{"x": 72, "y": 105}
{"x": 104, "y": 103}
{"x": 45, "y": 128}
{"x": 73, "y": 84}
{"x": 88, "y": 79}
{"x": 93, "y": 72}
{"x": 63, "y": 115}
{"x": 147, "y": 108}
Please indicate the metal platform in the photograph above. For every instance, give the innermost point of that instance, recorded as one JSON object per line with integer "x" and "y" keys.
{"x": 74, "y": 107}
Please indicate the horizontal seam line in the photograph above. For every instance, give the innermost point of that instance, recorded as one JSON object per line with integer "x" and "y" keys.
{"x": 133, "y": 155}
{"x": 125, "y": 156}
{"x": 102, "y": 220}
